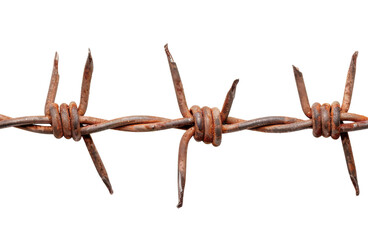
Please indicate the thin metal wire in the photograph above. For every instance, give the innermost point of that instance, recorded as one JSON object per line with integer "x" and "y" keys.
{"x": 204, "y": 124}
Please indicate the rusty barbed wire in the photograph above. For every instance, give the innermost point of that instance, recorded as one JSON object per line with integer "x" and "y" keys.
{"x": 204, "y": 124}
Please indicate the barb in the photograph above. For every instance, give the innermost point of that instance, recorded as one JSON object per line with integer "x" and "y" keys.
{"x": 326, "y": 121}
{"x": 303, "y": 96}
{"x": 177, "y": 84}
{"x": 349, "y": 84}
{"x": 67, "y": 121}
{"x": 86, "y": 84}
{"x": 204, "y": 124}
{"x": 54, "y": 83}
{"x": 345, "y": 136}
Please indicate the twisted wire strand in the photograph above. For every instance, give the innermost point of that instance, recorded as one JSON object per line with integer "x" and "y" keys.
{"x": 204, "y": 124}
{"x": 272, "y": 124}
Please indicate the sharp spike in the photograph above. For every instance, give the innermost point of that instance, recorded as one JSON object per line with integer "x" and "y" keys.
{"x": 228, "y": 101}
{"x": 350, "y": 161}
{"x": 86, "y": 84}
{"x": 54, "y": 82}
{"x": 182, "y": 164}
{"x": 303, "y": 96}
{"x": 349, "y": 85}
{"x": 108, "y": 184}
{"x": 97, "y": 161}
{"x": 179, "y": 90}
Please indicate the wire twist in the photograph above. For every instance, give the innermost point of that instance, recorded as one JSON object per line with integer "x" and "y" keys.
{"x": 204, "y": 124}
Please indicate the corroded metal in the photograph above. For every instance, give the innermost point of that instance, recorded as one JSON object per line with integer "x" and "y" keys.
{"x": 204, "y": 124}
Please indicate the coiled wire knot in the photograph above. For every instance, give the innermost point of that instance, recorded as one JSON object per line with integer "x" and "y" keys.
{"x": 207, "y": 125}
{"x": 66, "y": 122}
{"x": 326, "y": 120}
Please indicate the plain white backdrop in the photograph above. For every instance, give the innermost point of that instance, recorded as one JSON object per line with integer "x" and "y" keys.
{"x": 254, "y": 186}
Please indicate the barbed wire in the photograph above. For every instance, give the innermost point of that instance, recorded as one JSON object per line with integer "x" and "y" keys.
{"x": 204, "y": 124}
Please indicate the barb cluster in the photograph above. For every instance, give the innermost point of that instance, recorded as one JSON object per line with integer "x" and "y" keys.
{"x": 204, "y": 124}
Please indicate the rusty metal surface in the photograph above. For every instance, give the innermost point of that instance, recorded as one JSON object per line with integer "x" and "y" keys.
{"x": 204, "y": 124}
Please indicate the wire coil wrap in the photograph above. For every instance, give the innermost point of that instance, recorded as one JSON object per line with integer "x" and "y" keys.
{"x": 66, "y": 122}
{"x": 326, "y": 120}
{"x": 207, "y": 125}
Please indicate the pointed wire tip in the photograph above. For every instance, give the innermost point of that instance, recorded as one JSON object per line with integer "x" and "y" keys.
{"x": 297, "y": 72}
{"x": 181, "y": 198}
{"x": 356, "y": 185}
{"x": 168, "y": 54}
{"x": 89, "y": 62}
{"x": 235, "y": 83}
{"x": 56, "y": 58}
{"x": 108, "y": 184}
{"x": 354, "y": 57}
{"x": 89, "y": 54}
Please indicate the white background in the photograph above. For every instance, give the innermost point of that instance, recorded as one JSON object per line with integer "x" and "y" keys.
{"x": 255, "y": 185}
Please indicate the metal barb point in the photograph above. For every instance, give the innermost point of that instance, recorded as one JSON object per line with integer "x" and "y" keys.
{"x": 228, "y": 101}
